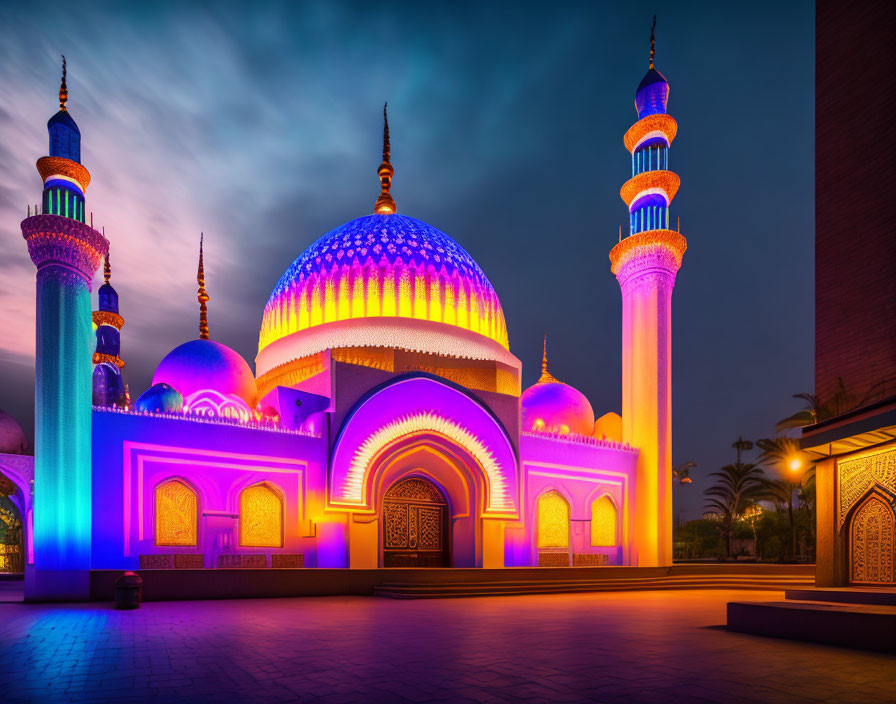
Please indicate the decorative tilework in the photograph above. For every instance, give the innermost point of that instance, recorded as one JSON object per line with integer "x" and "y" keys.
{"x": 383, "y": 266}
{"x": 856, "y": 476}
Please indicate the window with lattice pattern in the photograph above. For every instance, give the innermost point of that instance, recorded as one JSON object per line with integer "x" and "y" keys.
{"x": 604, "y": 522}
{"x": 553, "y": 521}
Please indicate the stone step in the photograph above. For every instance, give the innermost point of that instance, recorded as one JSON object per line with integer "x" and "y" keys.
{"x": 417, "y": 590}
{"x": 850, "y": 625}
{"x": 844, "y": 595}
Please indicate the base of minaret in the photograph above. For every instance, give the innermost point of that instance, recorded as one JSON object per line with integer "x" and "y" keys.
{"x": 67, "y": 254}
{"x": 646, "y": 265}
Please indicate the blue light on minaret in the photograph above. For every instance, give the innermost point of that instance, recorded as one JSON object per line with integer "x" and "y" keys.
{"x": 67, "y": 253}
{"x": 108, "y": 384}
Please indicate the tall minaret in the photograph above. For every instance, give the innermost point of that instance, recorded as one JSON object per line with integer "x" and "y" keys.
{"x": 645, "y": 264}
{"x": 108, "y": 384}
{"x": 67, "y": 253}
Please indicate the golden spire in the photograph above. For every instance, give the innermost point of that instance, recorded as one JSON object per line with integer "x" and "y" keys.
{"x": 545, "y": 374}
{"x": 203, "y": 296}
{"x": 107, "y": 269}
{"x": 652, "y": 42}
{"x": 385, "y": 205}
{"x": 63, "y": 91}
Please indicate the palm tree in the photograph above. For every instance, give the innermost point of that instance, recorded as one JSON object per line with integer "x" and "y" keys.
{"x": 794, "y": 469}
{"x": 840, "y": 402}
{"x": 739, "y": 486}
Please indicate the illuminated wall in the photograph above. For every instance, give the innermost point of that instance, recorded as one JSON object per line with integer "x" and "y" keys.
{"x": 585, "y": 472}
{"x": 172, "y": 484}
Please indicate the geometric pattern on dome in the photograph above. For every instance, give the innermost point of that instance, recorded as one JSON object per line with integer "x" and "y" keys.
{"x": 383, "y": 266}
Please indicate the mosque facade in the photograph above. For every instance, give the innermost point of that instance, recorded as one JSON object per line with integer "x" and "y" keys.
{"x": 384, "y": 424}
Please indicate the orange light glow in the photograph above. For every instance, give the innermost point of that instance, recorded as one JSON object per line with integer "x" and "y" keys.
{"x": 661, "y": 123}
{"x": 665, "y": 182}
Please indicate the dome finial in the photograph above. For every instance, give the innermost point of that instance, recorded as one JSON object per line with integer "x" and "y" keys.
{"x": 203, "y": 296}
{"x": 107, "y": 269}
{"x": 63, "y": 91}
{"x": 385, "y": 205}
{"x": 652, "y": 41}
{"x": 545, "y": 374}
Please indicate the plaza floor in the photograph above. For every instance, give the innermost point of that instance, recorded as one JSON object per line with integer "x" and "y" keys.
{"x": 609, "y": 647}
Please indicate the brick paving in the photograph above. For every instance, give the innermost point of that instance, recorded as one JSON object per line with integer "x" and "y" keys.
{"x": 616, "y": 647}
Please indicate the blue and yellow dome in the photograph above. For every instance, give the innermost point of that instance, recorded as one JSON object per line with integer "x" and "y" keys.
{"x": 350, "y": 287}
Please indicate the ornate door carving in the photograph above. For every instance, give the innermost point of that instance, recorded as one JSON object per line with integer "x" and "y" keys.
{"x": 871, "y": 547}
{"x": 415, "y": 525}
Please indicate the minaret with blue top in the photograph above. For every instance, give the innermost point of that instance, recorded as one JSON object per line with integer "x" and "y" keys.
{"x": 646, "y": 264}
{"x": 108, "y": 384}
{"x": 67, "y": 253}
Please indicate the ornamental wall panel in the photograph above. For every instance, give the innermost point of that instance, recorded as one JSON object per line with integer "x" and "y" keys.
{"x": 856, "y": 476}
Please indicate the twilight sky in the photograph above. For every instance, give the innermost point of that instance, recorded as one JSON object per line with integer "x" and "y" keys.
{"x": 260, "y": 124}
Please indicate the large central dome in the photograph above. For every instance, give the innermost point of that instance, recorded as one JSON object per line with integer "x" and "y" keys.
{"x": 383, "y": 281}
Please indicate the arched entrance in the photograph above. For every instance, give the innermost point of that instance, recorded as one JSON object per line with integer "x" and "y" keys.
{"x": 415, "y": 525}
{"x": 871, "y": 538}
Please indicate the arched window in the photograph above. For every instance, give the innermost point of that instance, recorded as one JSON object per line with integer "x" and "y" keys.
{"x": 604, "y": 523}
{"x": 553, "y": 521}
{"x": 261, "y": 517}
{"x": 176, "y": 514}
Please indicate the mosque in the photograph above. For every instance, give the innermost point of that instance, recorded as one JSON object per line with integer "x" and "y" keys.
{"x": 384, "y": 424}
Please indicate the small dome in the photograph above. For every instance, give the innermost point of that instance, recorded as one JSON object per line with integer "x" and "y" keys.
{"x": 652, "y": 95}
{"x": 608, "y": 427}
{"x": 160, "y": 398}
{"x": 201, "y": 365}
{"x": 12, "y": 437}
{"x": 554, "y": 407}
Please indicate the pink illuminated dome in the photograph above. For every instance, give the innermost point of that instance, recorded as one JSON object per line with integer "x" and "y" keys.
{"x": 550, "y": 406}
{"x": 207, "y": 366}
{"x": 12, "y": 437}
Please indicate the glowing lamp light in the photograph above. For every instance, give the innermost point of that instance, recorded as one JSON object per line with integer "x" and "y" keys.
{"x": 794, "y": 464}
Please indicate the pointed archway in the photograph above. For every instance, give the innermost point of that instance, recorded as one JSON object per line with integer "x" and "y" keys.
{"x": 872, "y": 553}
